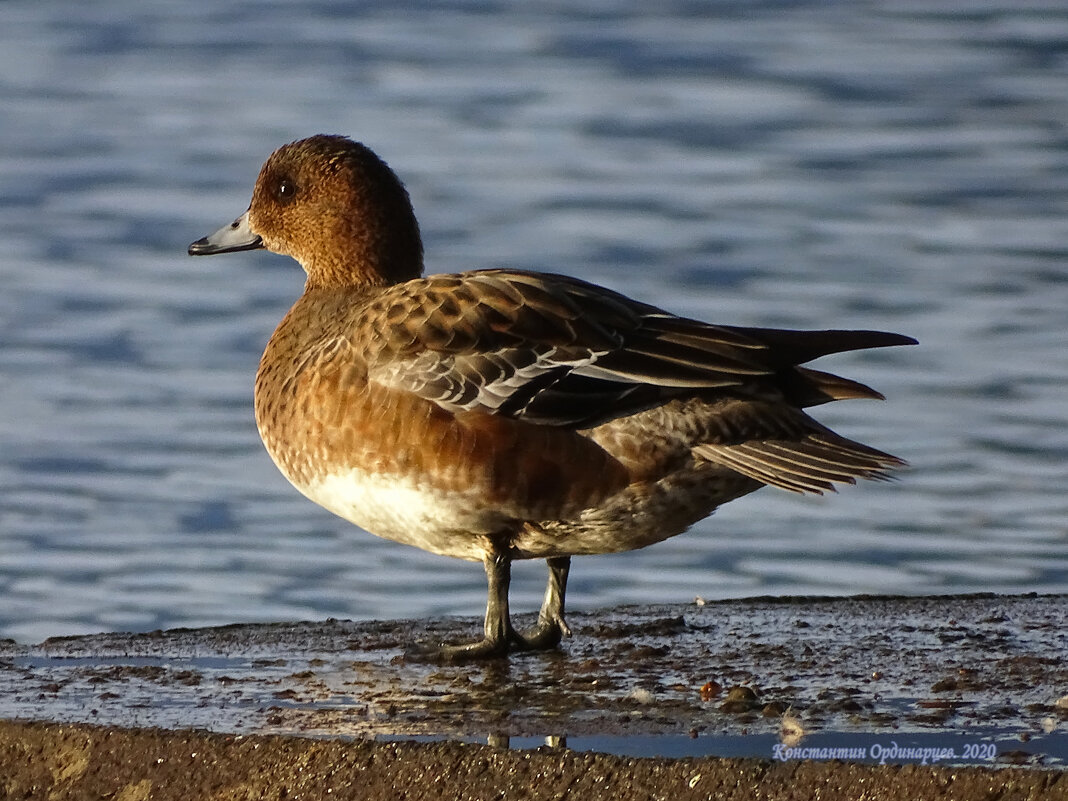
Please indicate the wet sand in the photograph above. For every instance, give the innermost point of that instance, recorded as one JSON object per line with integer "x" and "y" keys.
{"x": 85, "y": 762}
{"x": 294, "y": 709}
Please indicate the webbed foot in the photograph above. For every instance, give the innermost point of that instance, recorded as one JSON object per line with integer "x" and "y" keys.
{"x": 500, "y": 638}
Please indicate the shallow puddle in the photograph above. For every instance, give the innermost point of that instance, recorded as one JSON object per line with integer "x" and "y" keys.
{"x": 982, "y": 676}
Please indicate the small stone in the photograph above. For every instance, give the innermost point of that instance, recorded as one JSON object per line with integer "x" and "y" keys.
{"x": 774, "y": 709}
{"x": 641, "y": 696}
{"x": 710, "y": 689}
{"x": 740, "y": 692}
{"x": 739, "y": 700}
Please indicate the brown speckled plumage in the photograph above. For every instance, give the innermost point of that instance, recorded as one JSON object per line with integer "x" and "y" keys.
{"x": 500, "y": 415}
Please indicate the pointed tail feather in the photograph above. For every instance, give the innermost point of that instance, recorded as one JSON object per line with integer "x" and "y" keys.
{"x": 798, "y": 347}
{"x": 806, "y": 387}
{"x": 811, "y": 464}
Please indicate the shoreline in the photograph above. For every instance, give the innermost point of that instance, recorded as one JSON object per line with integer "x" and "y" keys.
{"x": 47, "y": 760}
{"x": 293, "y": 709}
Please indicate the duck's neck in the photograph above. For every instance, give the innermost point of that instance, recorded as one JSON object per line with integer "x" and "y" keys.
{"x": 357, "y": 272}
{"x": 372, "y": 255}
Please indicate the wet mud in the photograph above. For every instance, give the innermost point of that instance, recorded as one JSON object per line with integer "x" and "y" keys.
{"x": 784, "y": 673}
{"x": 84, "y": 762}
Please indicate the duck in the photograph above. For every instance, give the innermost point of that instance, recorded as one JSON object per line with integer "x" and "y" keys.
{"x": 500, "y": 415}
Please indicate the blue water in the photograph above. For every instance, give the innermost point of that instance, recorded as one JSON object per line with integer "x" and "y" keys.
{"x": 890, "y": 165}
{"x": 979, "y": 747}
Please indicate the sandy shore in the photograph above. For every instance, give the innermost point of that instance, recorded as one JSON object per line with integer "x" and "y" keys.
{"x": 85, "y": 762}
{"x": 299, "y": 710}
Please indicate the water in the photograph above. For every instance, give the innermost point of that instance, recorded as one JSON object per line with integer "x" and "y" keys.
{"x": 985, "y": 747}
{"x": 885, "y": 165}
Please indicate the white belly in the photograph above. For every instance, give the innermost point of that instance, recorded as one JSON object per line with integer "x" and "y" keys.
{"x": 402, "y": 510}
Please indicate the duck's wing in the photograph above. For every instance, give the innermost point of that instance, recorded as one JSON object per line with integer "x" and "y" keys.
{"x": 562, "y": 352}
{"x": 545, "y": 349}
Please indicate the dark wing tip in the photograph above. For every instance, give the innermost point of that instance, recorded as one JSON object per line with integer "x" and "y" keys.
{"x": 892, "y": 340}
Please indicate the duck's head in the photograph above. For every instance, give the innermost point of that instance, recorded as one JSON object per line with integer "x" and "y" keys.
{"x": 336, "y": 208}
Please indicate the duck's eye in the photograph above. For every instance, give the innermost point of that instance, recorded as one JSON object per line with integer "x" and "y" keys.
{"x": 287, "y": 190}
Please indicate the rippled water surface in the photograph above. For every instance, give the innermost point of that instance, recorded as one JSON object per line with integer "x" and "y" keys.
{"x": 891, "y": 165}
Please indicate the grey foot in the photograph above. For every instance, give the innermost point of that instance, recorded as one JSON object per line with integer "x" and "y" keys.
{"x": 543, "y": 637}
{"x": 445, "y": 654}
{"x": 547, "y": 634}
{"x": 500, "y": 638}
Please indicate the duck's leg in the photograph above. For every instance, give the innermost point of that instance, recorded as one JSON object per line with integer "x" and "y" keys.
{"x": 551, "y": 627}
{"x": 498, "y": 634}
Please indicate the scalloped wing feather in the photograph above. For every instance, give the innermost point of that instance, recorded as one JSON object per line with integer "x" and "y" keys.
{"x": 558, "y": 351}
